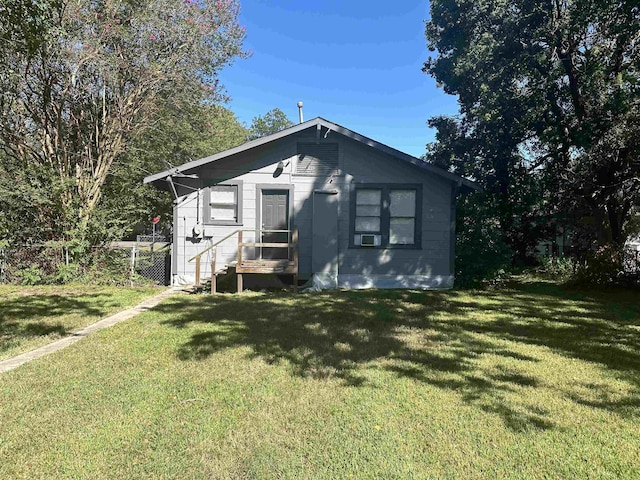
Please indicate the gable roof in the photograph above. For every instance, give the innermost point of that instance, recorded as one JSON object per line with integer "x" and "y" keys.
{"x": 317, "y": 122}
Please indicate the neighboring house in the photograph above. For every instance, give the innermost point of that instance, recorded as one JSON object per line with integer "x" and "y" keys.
{"x": 368, "y": 215}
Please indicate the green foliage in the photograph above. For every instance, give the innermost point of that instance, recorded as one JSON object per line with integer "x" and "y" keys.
{"x": 30, "y": 275}
{"x": 633, "y": 225}
{"x": 29, "y": 210}
{"x": 107, "y": 267}
{"x": 513, "y": 193}
{"x": 560, "y": 269}
{"x": 64, "y": 274}
{"x": 190, "y": 131}
{"x": 482, "y": 253}
{"x": 548, "y": 97}
{"x": 89, "y": 79}
{"x": 31, "y": 265}
{"x": 27, "y": 22}
{"x": 602, "y": 267}
{"x": 47, "y": 265}
{"x": 271, "y": 122}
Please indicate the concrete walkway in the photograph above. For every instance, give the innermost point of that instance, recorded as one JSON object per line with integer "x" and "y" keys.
{"x": 14, "y": 362}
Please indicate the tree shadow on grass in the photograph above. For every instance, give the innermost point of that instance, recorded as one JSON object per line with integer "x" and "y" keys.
{"x": 29, "y": 316}
{"x": 436, "y": 338}
{"x": 597, "y": 325}
{"x": 27, "y": 307}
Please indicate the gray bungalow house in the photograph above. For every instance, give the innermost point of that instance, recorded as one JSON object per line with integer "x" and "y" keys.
{"x": 361, "y": 214}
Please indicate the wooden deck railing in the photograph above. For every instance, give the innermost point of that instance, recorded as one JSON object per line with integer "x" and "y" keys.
{"x": 199, "y": 255}
{"x": 288, "y": 266}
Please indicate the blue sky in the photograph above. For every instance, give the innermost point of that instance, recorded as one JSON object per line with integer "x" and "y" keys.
{"x": 356, "y": 63}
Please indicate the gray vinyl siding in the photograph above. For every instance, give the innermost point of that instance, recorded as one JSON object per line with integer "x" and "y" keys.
{"x": 357, "y": 163}
{"x": 366, "y": 165}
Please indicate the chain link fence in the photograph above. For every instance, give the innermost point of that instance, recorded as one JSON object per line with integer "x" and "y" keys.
{"x": 122, "y": 263}
{"x": 152, "y": 262}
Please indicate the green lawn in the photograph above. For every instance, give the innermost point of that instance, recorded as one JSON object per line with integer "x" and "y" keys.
{"x": 530, "y": 381}
{"x": 34, "y": 316}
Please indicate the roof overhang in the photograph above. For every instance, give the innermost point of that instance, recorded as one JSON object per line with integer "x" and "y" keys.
{"x": 316, "y": 123}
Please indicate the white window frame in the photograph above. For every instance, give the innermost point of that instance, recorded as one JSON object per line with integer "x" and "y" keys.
{"x": 207, "y": 220}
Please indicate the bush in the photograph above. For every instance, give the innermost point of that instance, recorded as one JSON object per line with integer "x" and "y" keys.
{"x": 33, "y": 265}
{"x": 107, "y": 267}
{"x": 603, "y": 267}
{"x": 29, "y": 266}
{"x": 482, "y": 256}
{"x": 31, "y": 275}
{"x": 66, "y": 274}
{"x": 561, "y": 269}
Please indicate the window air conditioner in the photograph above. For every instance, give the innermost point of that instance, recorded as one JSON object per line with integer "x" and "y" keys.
{"x": 368, "y": 240}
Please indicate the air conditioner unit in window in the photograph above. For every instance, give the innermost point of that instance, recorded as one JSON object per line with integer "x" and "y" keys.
{"x": 368, "y": 240}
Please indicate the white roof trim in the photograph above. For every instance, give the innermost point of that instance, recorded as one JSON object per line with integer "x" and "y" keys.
{"x": 318, "y": 121}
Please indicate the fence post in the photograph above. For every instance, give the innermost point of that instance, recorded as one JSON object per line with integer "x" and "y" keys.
{"x": 2, "y": 262}
{"x": 133, "y": 263}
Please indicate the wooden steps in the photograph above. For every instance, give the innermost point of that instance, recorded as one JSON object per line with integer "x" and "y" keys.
{"x": 267, "y": 266}
{"x": 260, "y": 266}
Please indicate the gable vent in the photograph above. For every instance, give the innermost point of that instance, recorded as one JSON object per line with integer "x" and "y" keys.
{"x": 317, "y": 159}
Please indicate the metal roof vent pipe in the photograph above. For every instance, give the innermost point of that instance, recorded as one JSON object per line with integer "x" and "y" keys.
{"x": 300, "y": 112}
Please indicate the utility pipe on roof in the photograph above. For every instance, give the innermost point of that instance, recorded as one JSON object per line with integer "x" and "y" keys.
{"x": 300, "y": 112}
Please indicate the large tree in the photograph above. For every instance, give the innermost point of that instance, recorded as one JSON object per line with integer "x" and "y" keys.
{"x": 89, "y": 78}
{"x": 550, "y": 90}
{"x": 190, "y": 132}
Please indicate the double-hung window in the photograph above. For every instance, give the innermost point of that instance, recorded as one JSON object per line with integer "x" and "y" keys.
{"x": 223, "y": 204}
{"x": 402, "y": 216}
{"x": 368, "y": 210}
{"x": 387, "y": 215}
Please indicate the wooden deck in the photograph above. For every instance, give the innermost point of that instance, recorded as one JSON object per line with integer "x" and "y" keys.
{"x": 288, "y": 266}
{"x": 267, "y": 266}
{"x": 242, "y": 266}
